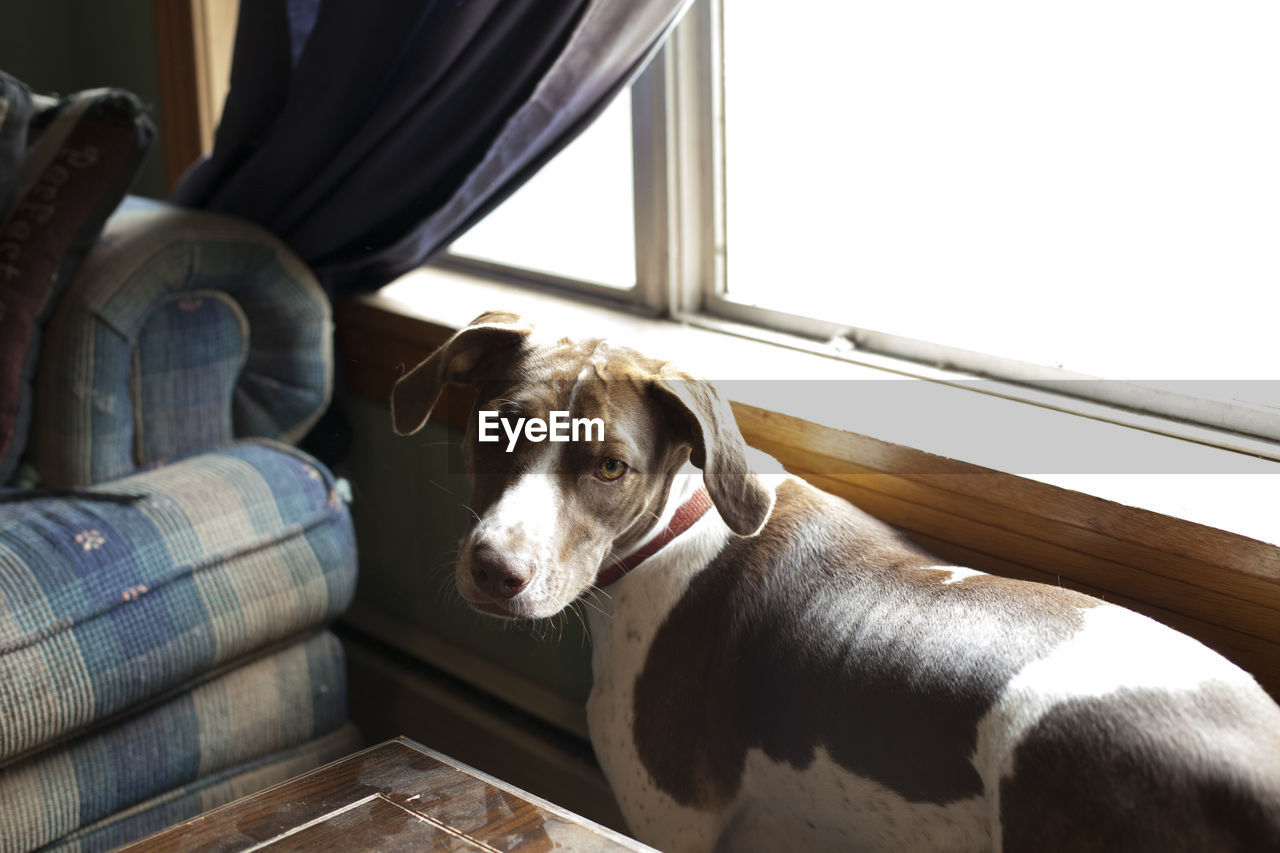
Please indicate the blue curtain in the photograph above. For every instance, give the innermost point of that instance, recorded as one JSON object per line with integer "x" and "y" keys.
{"x": 368, "y": 135}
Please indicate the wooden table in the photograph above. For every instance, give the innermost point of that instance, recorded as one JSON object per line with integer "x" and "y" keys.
{"x": 395, "y": 796}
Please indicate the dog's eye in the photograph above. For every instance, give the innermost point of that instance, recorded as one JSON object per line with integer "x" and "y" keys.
{"x": 611, "y": 469}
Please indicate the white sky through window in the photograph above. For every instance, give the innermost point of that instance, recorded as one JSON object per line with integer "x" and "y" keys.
{"x": 575, "y": 218}
{"x": 1093, "y": 185}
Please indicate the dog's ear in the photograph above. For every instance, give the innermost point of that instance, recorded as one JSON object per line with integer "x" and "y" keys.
{"x": 717, "y": 447}
{"x": 463, "y": 358}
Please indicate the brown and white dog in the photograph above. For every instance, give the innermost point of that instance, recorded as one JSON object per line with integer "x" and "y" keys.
{"x": 785, "y": 672}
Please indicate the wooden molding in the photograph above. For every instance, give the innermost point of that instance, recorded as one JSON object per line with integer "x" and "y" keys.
{"x": 194, "y": 40}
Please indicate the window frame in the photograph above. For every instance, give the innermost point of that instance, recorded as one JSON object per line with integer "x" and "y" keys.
{"x": 193, "y": 47}
{"x": 651, "y": 178}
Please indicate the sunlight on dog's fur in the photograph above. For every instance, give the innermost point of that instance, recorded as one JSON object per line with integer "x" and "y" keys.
{"x": 775, "y": 669}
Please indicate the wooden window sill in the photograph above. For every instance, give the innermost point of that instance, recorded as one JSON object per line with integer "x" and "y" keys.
{"x": 1184, "y": 532}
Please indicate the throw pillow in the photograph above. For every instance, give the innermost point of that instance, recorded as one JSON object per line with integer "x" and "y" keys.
{"x": 15, "y": 114}
{"x": 82, "y": 156}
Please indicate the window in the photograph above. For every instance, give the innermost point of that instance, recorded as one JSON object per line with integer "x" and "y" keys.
{"x": 1022, "y": 192}
{"x": 574, "y": 220}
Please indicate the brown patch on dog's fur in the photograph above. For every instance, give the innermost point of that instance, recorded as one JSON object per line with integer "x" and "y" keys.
{"x": 494, "y": 336}
{"x": 826, "y": 630}
{"x": 1216, "y": 799}
{"x": 718, "y": 449}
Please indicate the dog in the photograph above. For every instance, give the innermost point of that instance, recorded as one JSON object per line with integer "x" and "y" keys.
{"x": 775, "y": 669}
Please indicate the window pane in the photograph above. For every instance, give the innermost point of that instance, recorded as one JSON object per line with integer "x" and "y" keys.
{"x": 1094, "y": 185}
{"x": 575, "y": 218}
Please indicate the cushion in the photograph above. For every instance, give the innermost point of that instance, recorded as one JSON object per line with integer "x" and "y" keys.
{"x": 278, "y": 701}
{"x": 116, "y": 596}
{"x": 82, "y": 155}
{"x": 183, "y": 330}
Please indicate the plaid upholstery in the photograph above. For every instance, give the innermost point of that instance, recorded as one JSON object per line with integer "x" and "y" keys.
{"x": 187, "y": 801}
{"x": 179, "y": 415}
{"x": 280, "y": 701}
{"x": 106, "y": 343}
{"x": 104, "y": 605}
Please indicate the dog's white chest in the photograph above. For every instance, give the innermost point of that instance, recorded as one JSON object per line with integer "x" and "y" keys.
{"x": 621, "y": 638}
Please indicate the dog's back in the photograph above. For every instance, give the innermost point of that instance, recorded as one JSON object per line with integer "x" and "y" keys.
{"x": 827, "y": 682}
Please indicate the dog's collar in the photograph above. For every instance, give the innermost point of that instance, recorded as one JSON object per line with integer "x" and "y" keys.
{"x": 689, "y": 512}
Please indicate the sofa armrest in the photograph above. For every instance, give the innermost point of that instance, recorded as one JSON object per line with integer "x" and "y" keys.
{"x": 182, "y": 331}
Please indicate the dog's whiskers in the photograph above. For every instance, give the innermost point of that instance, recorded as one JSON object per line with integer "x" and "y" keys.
{"x": 582, "y": 620}
{"x": 446, "y": 589}
{"x": 598, "y": 591}
{"x": 587, "y": 602}
{"x": 450, "y": 492}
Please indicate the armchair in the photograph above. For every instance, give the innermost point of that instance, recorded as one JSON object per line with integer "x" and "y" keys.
{"x": 169, "y": 565}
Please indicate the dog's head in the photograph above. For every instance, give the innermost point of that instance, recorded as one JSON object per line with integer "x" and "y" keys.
{"x": 571, "y": 449}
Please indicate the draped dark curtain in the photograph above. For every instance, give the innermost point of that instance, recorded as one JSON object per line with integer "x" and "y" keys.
{"x": 368, "y": 135}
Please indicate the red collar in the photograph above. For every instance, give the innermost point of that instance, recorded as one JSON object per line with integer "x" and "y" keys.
{"x": 689, "y": 512}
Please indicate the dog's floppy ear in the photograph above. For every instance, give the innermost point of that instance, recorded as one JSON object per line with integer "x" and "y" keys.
{"x": 459, "y": 359}
{"x": 720, "y": 451}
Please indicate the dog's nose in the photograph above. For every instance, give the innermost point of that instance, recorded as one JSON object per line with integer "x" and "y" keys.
{"x": 496, "y": 575}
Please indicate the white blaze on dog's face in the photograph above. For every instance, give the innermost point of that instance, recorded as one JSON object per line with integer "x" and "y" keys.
{"x": 549, "y": 515}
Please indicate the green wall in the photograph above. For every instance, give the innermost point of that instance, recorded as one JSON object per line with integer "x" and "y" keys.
{"x": 63, "y": 46}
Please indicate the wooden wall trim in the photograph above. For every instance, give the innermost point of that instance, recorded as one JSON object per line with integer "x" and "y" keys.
{"x": 193, "y": 61}
{"x": 180, "y": 67}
